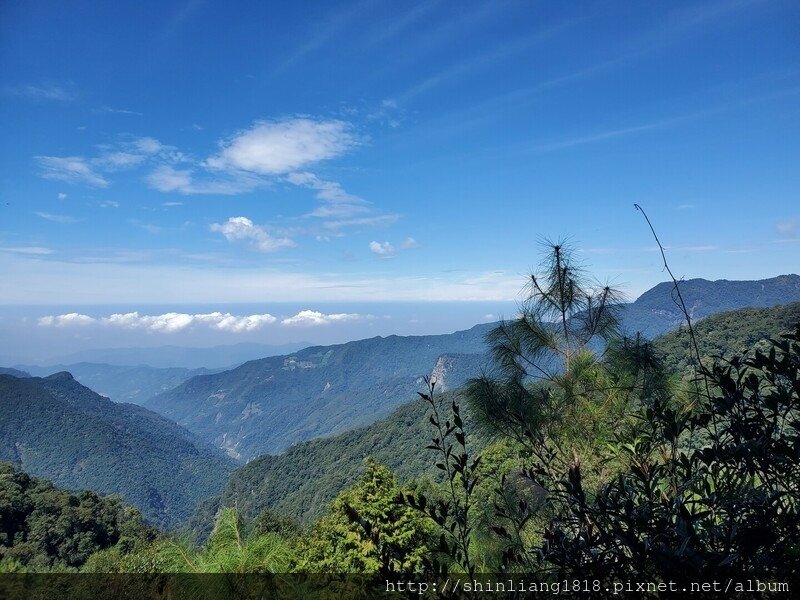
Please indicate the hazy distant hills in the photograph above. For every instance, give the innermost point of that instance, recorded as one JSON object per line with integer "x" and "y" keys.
{"x": 267, "y": 405}
{"x": 655, "y": 311}
{"x": 13, "y": 372}
{"x": 120, "y": 383}
{"x": 264, "y": 406}
{"x": 304, "y": 479}
{"x": 213, "y": 357}
{"x": 55, "y": 428}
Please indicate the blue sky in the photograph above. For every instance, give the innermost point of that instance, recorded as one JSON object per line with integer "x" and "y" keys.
{"x": 319, "y": 153}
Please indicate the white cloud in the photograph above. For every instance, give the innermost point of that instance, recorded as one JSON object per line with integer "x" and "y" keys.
{"x": 337, "y": 202}
{"x": 130, "y": 154}
{"x": 326, "y": 190}
{"x": 72, "y": 169}
{"x": 242, "y": 228}
{"x": 249, "y": 323}
{"x": 56, "y": 218}
{"x": 62, "y": 196}
{"x": 171, "y": 322}
{"x": 311, "y": 318}
{"x": 278, "y": 147}
{"x": 68, "y": 320}
{"x": 382, "y": 249}
{"x": 121, "y": 156}
{"x": 169, "y": 179}
{"x": 148, "y": 145}
{"x": 109, "y": 204}
{"x": 787, "y": 228}
{"x": 388, "y": 250}
{"x": 118, "y": 161}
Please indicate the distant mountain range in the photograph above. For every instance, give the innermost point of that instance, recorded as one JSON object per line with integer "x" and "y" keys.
{"x": 265, "y": 406}
{"x": 120, "y": 383}
{"x": 304, "y": 479}
{"x": 55, "y": 428}
{"x": 13, "y": 372}
{"x": 269, "y": 404}
{"x": 214, "y": 357}
{"x": 656, "y": 312}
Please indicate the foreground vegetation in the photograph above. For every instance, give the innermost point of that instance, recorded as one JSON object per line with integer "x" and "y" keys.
{"x": 562, "y": 461}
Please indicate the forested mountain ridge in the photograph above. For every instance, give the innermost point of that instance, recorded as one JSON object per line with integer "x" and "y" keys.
{"x": 42, "y": 526}
{"x": 301, "y": 481}
{"x": 655, "y": 312}
{"x": 123, "y": 383}
{"x": 264, "y": 406}
{"x": 728, "y": 333}
{"x": 13, "y": 372}
{"x": 55, "y": 428}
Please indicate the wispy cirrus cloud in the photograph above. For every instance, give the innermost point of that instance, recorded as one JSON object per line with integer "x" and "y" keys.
{"x": 29, "y": 250}
{"x": 243, "y": 229}
{"x": 336, "y": 201}
{"x": 71, "y": 169}
{"x": 126, "y": 155}
{"x": 44, "y": 91}
{"x": 171, "y": 322}
{"x": 269, "y": 151}
{"x": 373, "y": 221}
{"x": 64, "y": 219}
{"x": 117, "y": 111}
{"x": 167, "y": 178}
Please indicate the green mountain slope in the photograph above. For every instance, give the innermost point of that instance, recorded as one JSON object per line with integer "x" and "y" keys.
{"x": 727, "y": 333}
{"x": 42, "y": 526}
{"x": 269, "y": 404}
{"x": 655, "y": 311}
{"x": 304, "y": 479}
{"x": 58, "y": 429}
{"x": 123, "y": 383}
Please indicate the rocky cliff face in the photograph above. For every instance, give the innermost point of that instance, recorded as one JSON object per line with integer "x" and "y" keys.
{"x": 451, "y": 371}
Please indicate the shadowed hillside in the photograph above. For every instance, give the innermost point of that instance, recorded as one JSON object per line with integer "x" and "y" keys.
{"x": 58, "y": 429}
